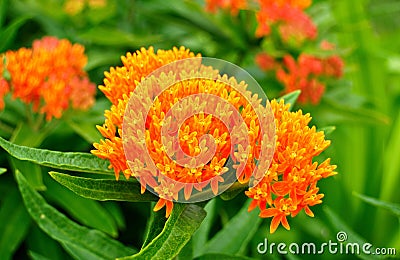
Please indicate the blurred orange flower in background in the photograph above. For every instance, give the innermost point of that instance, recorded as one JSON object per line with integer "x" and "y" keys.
{"x": 304, "y": 74}
{"x": 4, "y": 87}
{"x": 73, "y": 7}
{"x": 50, "y": 76}
{"x": 296, "y": 71}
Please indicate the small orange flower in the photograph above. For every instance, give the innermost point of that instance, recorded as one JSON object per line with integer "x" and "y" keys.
{"x": 50, "y": 76}
{"x": 290, "y": 184}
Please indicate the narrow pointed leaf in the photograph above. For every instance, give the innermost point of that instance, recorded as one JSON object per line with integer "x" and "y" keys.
{"x": 60, "y": 228}
{"x": 78, "y": 252}
{"x": 185, "y": 219}
{"x": 103, "y": 189}
{"x": 235, "y": 234}
{"x": 85, "y": 130}
{"x": 40, "y": 243}
{"x": 201, "y": 236}
{"x": 327, "y": 129}
{"x": 36, "y": 256}
{"x": 7, "y": 35}
{"x": 32, "y": 173}
{"x": 2, "y": 170}
{"x": 15, "y": 222}
{"x": 392, "y": 207}
{"x": 290, "y": 98}
{"x": 155, "y": 225}
{"x": 81, "y": 162}
{"x": 86, "y": 211}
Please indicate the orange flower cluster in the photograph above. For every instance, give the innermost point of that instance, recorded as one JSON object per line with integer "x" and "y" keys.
{"x": 49, "y": 76}
{"x": 303, "y": 74}
{"x": 293, "y": 24}
{"x": 290, "y": 184}
{"x": 122, "y": 81}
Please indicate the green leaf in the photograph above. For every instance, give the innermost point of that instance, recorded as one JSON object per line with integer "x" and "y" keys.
{"x": 184, "y": 220}
{"x": 186, "y": 252}
{"x": 392, "y": 207}
{"x": 60, "y": 228}
{"x": 32, "y": 173}
{"x": 15, "y": 224}
{"x": 78, "y": 252}
{"x": 327, "y": 129}
{"x": 391, "y": 164}
{"x": 40, "y": 243}
{"x": 155, "y": 225}
{"x": 236, "y": 234}
{"x": 3, "y": 11}
{"x": 37, "y": 256}
{"x": 26, "y": 136}
{"x": 84, "y": 122}
{"x": 7, "y": 35}
{"x": 2, "y": 170}
{"x": 290, "y": 98}
{"x": 221, "y": 257}
{"x": 366, "y": 115}
{"x": 81, "y": 162}
{"x": 116, "y": 212}
{"x": 86, "y": 130}
{"x": 88, "y": 212}
{"x": 201, "y": 236}
{"x": 103, "y": 189}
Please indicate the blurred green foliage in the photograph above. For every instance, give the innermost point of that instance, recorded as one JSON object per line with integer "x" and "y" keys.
{"x": 364, "y": 107}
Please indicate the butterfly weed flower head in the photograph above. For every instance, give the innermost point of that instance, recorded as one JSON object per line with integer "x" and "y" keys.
{"x": 50, "y": 76}
{"x": 187, "y": 132}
